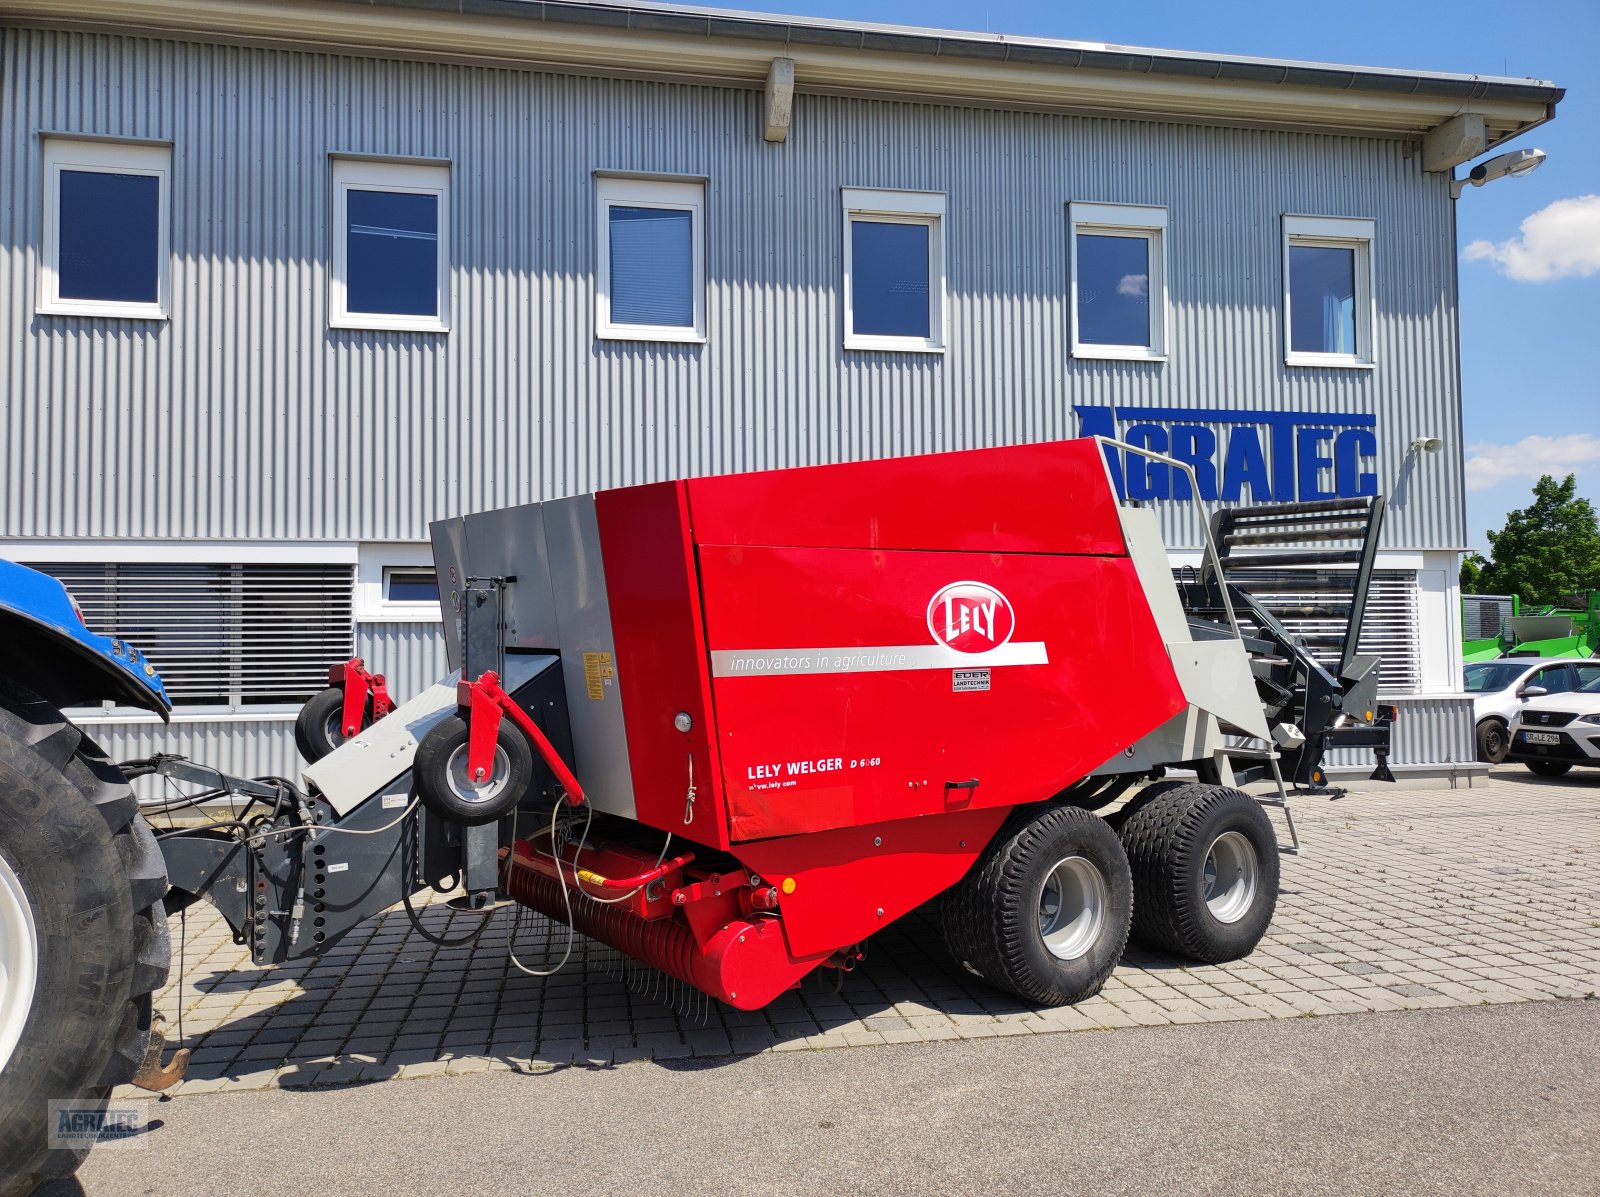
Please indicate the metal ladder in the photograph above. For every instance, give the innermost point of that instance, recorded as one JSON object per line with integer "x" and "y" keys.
{"x": 1269, "y": 756}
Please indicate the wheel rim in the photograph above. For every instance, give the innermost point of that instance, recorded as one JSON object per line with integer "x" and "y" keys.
{"x": 1072, "y": 907}
{"x": 468, "y": 790}
{"x": 335, "y": 728}
{"x": 1496, "y": 743}
{"x": 19, "y": 960}
{"x": 1231, "y": 872}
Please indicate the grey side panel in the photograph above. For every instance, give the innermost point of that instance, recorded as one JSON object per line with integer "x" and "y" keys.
{"x": 449, "y": 563}
{"x": 509, "y": 543}
{"x": 588, "y": 654}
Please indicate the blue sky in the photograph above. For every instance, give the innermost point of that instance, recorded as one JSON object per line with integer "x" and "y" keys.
{"x": 1528, "y": 362}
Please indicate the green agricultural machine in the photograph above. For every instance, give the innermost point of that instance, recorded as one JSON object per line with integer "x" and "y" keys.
{"x": 1497, "y": 625}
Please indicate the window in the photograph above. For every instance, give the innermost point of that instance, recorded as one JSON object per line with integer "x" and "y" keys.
{"x": 107, "y": 246}
{"x": 894, "y": 270}
{"x": 1119, "y": 281}
{"x": 402, "y": 585}
{"x": 391, "y": 253}
{"x": 1327, "y": 267}
{"x": 650, "y": 278}
{"x": 1555, "y": 680}
{"x": 223, "y": 635}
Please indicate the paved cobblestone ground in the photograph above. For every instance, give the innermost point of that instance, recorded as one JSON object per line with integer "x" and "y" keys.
{"x": 1403, "y": 900}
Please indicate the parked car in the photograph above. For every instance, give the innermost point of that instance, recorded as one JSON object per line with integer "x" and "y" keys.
{"x": 1553, "y": 732}
{"x": 1501, "y": 687}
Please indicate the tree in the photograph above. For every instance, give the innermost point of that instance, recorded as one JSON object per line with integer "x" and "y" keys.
{"x": 1547, "y": 549}
{"x": 1472, "y": 567}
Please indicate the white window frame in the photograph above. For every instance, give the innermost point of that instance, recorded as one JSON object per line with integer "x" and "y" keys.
{"x": 375, "y": 561}
{"x": 407, "y": 178}
{"x": 1334, "y": 232}
{"x": 1145, "y": 221}
{"x": 897, "y": 207}
{"x": 632, "y": 191}
{"x": 106, "y": 157}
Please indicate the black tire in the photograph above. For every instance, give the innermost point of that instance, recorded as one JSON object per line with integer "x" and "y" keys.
{"x": 1169, "y": 833}
{"x": 992, "y": 916}
{"x": 318, "y": 727}
{"x": 1549, "y": 768}
{"x": 93, "y": 879}
{"x": 1493, "y": 741}
{"x": 440, "y": 772}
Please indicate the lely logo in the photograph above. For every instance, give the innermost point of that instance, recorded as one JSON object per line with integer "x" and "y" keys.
{"x": 971, "y": 617}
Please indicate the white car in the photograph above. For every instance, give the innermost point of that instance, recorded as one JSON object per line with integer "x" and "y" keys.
{"x": 1552, "y": 733}
{"x": 1499, "y": 689}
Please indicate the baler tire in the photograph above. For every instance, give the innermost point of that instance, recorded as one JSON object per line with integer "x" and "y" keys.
{"x": 1493, "y": 741}
{"x": 443, "y": 792}
{"x": 1169, "y": 837}
{"x": 317, "y": 728}
{"x": 992, "y": 916}
{"x": 1549, "y": 768}
{"x": 92, "y": 877}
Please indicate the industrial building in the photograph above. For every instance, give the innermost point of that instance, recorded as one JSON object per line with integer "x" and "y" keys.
{"x": 282, "y": 281}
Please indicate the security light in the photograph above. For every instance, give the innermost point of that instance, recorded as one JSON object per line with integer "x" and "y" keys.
{"x": 1515, "y": 164}
{"x": 1427, "y": 444}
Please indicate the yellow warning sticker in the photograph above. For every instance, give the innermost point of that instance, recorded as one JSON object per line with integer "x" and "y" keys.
{"x": 598, "y": 672}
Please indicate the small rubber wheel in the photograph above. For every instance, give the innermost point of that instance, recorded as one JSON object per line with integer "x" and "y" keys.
{"x": 440, "y": 769}
{"x": 318, "y": 727}
{"x": 1044, "y": 911}
{"x": 1493, "y": 742}
{"x": 1205, "y": 870}
{"x": 1549, "y": 768}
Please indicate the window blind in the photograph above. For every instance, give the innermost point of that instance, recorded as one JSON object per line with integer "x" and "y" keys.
{"x": 232, "y": 635}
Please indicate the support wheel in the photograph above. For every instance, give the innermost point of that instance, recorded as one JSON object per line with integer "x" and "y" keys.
{"x": 1044, "y": 911}
{"x": 1493, "y": 741}
{"x": 1549, "y": 768}
{"x": 446, "y": 789}
{"x": 1205, "y": 870}
{"x": 318, "y": 727}
{"x": 83, "y": 933}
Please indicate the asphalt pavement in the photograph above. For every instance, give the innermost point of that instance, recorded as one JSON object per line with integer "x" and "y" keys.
{"x": 1476, "y": 1100}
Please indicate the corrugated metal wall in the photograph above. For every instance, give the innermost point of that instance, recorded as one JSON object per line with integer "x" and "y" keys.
{"x": 246, "y": 416}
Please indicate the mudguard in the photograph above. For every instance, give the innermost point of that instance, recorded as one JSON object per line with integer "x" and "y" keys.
{"x": 50, "y": 650}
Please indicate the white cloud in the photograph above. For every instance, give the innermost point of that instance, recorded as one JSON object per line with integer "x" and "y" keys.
{"x": 1136, "y": 286}
{"x": 1556, "y": 241}
{"x": 1489, "y": 465}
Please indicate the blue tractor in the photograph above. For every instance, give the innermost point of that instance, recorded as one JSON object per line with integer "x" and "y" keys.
{"x": 83, "y": 931}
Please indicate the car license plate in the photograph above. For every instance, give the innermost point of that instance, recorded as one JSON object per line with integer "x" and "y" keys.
{"x": 1541, "y": 737}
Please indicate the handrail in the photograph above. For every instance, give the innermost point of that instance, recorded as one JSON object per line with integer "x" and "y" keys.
{"x": 1205, "y": 518}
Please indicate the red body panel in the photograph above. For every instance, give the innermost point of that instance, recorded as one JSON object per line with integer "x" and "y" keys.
{"x": 654, "y": 596}
{"x": 1047, "y": 498}
{"x": 878, "y": 661}
{"x": 810, "y": 751}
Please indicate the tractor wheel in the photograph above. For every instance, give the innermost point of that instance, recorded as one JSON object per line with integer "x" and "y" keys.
{"x": 1549, "y": 768}
{"x": 318, "y": 728}
{"x": 83, "y": 933}
{"x": 1044, "y": 911}
{"x": 440, "y": 769}
{"x": 1205, "y": 870}
{"x": 1493, "y": 742}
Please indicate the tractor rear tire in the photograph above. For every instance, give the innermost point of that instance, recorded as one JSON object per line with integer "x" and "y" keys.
{"x": 440, "y": 770}
{"x": 81, "y": 910}
{"x": 1205, "y": 870}
{"x": 1549, "y": 768}
{"x": 1044, "y": 911}
{"x": 319, "y": 727}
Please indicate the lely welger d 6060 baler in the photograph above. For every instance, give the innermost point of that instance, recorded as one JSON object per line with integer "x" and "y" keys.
{"x": 731, "y": 726}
